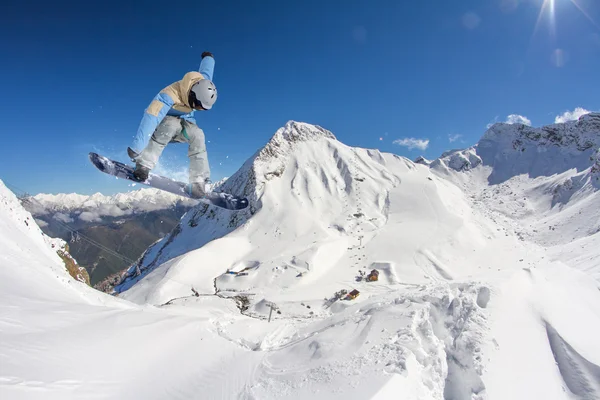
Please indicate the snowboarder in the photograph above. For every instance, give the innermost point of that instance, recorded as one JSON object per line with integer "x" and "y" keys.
{"x": 170, "y": 119}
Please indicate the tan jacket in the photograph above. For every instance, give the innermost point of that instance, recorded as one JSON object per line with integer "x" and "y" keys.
{"x": 180, "y": 93}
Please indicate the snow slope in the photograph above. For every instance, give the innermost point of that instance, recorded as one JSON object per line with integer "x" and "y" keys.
{"x": 60, "y": 339}
{"x": 324, "y": 211}
{"x": 31, "y": 267}
{"x": 465, "y": 306}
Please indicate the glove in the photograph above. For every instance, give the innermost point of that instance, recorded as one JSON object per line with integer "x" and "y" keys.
{"x": 207, "y": 53}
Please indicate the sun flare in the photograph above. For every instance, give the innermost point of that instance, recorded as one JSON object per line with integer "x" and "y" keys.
{"x": 585, "y": 13}
{"x": 548, "y": 10}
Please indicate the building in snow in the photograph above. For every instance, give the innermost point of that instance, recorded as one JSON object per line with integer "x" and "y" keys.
{"x": 352, "y": 295}
{"x": 373, "y": 276}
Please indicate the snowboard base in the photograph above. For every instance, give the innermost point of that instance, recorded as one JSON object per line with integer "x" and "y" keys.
{"x": 123, "y": 171}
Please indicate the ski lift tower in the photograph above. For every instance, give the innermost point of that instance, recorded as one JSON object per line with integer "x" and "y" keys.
{"x": 272, "y": 306}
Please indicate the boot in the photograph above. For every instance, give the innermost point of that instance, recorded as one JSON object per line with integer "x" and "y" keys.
{"x": 141, "y": 173}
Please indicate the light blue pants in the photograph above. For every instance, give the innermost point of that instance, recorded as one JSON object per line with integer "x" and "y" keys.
{"x": 176, "y": 130}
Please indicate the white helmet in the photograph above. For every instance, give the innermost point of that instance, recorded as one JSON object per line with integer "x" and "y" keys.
{"x": 204, "y": 94}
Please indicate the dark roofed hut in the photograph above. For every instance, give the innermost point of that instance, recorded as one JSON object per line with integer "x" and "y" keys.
{"x": 373, "y": 276}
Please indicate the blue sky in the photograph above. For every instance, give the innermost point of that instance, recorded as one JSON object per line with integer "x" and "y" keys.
{"x": 77, "y": 76}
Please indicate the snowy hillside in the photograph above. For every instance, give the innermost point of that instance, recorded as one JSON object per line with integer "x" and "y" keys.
{"x": 17, "y": 229}
{"x": 539, "y": 183}
{"x": 61, "y": 339}
{"x": 466, "y": 306}
{"x": 29, "y": 261}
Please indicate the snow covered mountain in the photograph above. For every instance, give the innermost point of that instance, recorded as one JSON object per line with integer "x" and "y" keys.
{"x": 322, "y": 216}
{"x": 539, "y": 183}
{"x": 516, "y": 149}
{"x": 469, "y": 303}
{"x": 97, "y": 206}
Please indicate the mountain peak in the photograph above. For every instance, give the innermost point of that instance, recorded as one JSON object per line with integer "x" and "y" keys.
{"x": 590, "y": 118}
{"x": 269, "y": 161}
{"x": 422, "y": 160}
{"x": 293, "y": 132}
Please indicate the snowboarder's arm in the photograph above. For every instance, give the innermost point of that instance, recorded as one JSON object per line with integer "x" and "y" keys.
{"x": 207, "y": 65}
{"x": 153, "y": 116}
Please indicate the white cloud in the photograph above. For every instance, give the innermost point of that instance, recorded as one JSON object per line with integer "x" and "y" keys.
{"x": 570, "y": 115}
{"x": 95, "y": 214}
{"x": 518, "y": 119}
{"x": 454, "y": 138}
{"x": 113, "y": 211}
{"x": 88, "y": 216}
{"x": 63, "y": 218}
{"x": 412, "y": 143}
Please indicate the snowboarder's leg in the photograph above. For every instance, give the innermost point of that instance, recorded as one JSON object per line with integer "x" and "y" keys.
{"x": 199, "y": 169}
{"x": 166, "y": 130}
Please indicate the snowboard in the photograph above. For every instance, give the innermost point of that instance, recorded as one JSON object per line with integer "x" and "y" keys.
{"x": 120, "y": 170}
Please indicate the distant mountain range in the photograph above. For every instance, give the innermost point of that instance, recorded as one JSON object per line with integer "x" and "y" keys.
{"x": 106, "y": 234}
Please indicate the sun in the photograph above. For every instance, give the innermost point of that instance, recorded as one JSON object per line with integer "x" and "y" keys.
{"x": 548, "y": 10}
